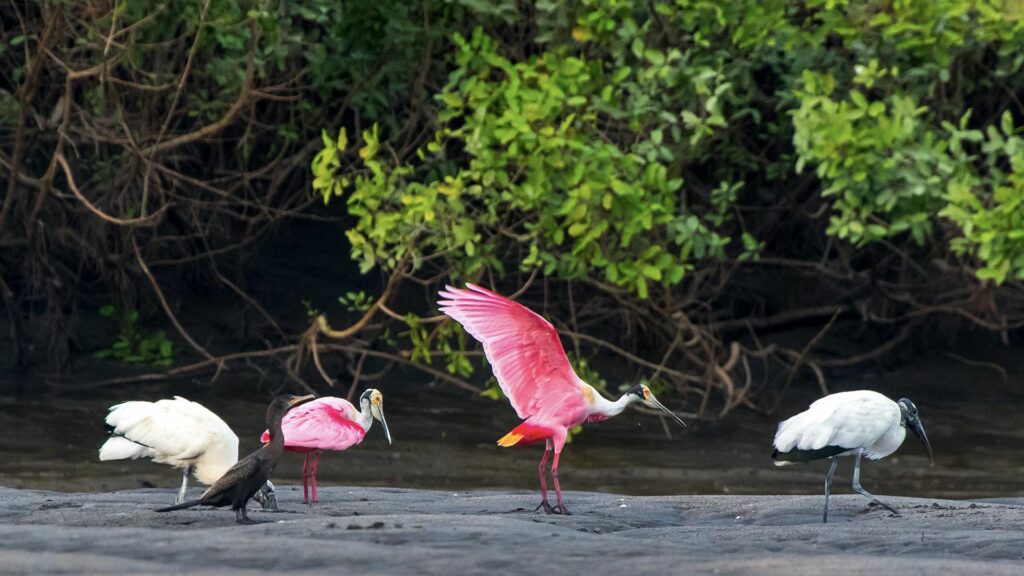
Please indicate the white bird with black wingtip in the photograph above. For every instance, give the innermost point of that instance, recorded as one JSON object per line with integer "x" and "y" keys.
{"x": 178, "y": 432}
{"x": 858, "y": 423}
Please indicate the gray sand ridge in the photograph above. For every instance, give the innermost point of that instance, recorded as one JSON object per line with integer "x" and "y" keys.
{"x": 393, "y": 531}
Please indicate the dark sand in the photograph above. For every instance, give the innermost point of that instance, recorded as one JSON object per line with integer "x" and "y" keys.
{"x": 392, "y": 531}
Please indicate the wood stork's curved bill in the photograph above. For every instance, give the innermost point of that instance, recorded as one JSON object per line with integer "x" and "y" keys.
{"x": 378, "y": 412}
{"x": 918, "y": 430}
{"x": 651, "y": 401}
{"x": 913, "y": 421}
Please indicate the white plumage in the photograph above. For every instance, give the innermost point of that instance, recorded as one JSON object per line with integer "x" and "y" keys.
{"x": 859, "y": 419}
{"x": 859, "y": 423}
{"x": 178, "y": 432}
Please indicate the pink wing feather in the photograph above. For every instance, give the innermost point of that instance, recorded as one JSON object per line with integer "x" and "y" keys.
{"x": 323, "y": 424}
{"x": 523, "y": 348}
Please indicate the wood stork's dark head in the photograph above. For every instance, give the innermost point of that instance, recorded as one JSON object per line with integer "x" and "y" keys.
{"x": 913, "y": 421}
{"x": 641, "y": 393}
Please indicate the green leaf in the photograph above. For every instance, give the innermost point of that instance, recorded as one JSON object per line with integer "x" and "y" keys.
{"x": 1006, "y": 123}
{"x": 577, "y": 229}
{"x": 652, "y": 272}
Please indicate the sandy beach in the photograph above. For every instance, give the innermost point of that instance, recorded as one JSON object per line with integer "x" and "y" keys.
{"x": 394, "y": 531}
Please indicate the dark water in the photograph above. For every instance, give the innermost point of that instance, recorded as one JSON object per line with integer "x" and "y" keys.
{"x": 444, "y": 438}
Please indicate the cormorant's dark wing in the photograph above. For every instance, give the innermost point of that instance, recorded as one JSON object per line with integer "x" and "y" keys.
{"x": 235, "y": 475}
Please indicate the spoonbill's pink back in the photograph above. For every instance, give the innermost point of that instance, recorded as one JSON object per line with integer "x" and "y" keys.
{"x": 326, "y": 423}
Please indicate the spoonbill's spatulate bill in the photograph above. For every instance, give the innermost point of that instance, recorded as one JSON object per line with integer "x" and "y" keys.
{"x": 178, "y": 432}
{"x": 329, "y": 423}
{"x": 249, "y": 474}
{"x": 858, "y": 423}
{"x": 533, "y": 371}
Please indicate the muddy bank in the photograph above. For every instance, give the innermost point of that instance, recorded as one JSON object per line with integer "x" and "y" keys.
{"x": 391, "y": 531}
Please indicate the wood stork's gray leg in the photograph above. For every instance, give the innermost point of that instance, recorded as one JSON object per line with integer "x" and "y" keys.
{"x": 184, "y": 485}
{"x": 860, "y": 489}
{"x": 828, "y": 486}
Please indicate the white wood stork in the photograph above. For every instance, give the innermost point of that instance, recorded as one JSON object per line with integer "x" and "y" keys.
{"x": 858, "y": 423}
{"x": 178, "y": 432}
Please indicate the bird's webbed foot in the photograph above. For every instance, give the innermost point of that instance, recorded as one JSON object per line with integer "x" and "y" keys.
{"x": 560, "y": 509}
{"x": 242, "y": 517}
{"x": 547, "y": 507}
{"x": 895, "y": 513}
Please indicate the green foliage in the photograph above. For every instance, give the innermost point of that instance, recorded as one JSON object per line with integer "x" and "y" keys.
{"x": 878, "y": 159}
{"x": 895, "y": 134}
{"x": 988, "y": 204}
{"x": 419, "y": 338}
{"x": 641, "y": 147}
{"x": 135, "y": 345}
{"x": 538, "y": 171}
{"x": 356, "y": 301}
{"x": 577, "y": 156}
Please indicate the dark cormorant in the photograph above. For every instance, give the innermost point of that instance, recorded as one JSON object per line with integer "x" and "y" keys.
{"x": 248, "y": 475}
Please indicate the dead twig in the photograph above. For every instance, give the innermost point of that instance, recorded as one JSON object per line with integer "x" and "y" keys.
{"x": 141, "y": 221}
{"x": 165, "y": 305}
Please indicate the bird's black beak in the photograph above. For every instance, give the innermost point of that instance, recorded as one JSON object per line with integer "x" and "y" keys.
{"x": 296, "y": 400}
{"x": 918, "y": 429}
{"x": 653, "y": 403}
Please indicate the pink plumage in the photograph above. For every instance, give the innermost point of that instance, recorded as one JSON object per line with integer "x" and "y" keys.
{"x": 525, "y": 354}
{"x": 324, "y": 424}
{"x": 532, "y": 369}
{"x": 327, "y": 423}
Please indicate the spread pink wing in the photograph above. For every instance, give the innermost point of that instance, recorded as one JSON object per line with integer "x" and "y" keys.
{"x": 323, "y": 424}
{"x": 523, "y": 348}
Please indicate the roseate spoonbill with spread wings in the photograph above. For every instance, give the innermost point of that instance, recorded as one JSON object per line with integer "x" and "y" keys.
{"x": 178, "y": 432}
{"x": 858, "y": 423}
{"x": 329, "y": 423}
{"x": 533, "y": 371}
{"x": 251, "y": 473}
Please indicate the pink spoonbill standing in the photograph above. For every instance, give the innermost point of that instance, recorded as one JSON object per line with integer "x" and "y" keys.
{"x": 329, "y": 423}
{"x": 533, "y": 371}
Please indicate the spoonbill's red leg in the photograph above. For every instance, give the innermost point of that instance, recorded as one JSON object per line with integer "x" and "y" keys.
{"x": 316, "y": 461}
{"x": 542, "y": 472}
{"x": 559, "y": 508}
{"x": 305, "y": 480}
